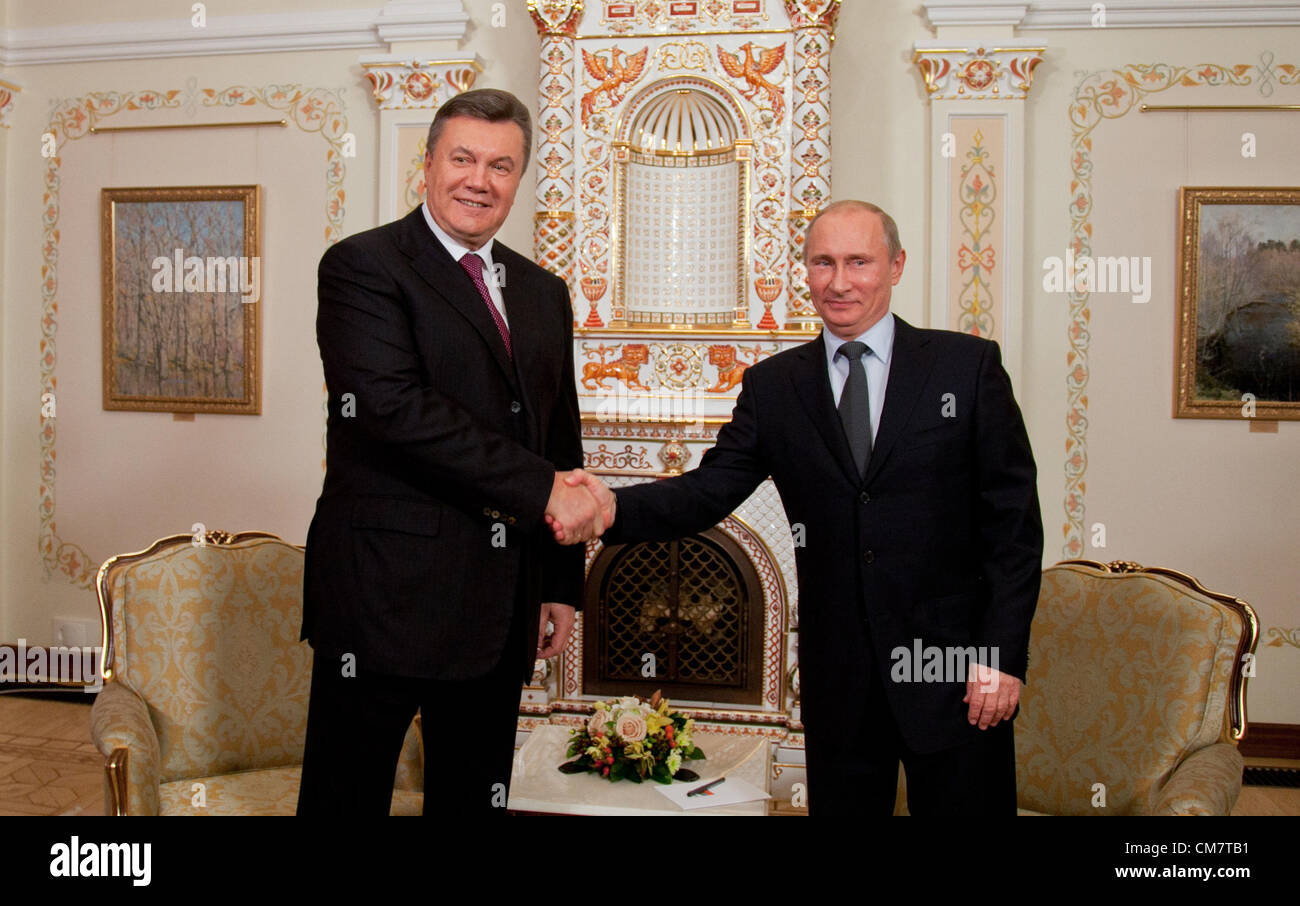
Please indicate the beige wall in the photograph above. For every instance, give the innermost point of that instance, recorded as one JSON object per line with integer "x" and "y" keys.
{"x": 1206, "y": 497}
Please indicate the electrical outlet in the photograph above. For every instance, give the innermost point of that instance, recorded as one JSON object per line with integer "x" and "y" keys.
{"x": 76, "y": 633}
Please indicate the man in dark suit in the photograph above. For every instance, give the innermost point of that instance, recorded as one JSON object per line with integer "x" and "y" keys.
{"x": 904, "y": 466}
{"x": 452, "y": 414}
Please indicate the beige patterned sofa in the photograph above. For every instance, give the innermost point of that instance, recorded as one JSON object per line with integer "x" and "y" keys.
{"x": 1136, "y": 697}
{"x": 204, "y": 705}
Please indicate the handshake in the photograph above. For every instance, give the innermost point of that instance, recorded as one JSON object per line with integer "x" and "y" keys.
{"x": 580, "y": 507}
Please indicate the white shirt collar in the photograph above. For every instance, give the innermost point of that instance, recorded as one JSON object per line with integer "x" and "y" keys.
{"x": 879, "y": 338}
{"x": 454, "y": 248}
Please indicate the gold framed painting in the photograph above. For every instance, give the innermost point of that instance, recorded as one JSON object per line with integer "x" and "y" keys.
{"x": 182, "y": 272}
{"x": 1238, "y": 330}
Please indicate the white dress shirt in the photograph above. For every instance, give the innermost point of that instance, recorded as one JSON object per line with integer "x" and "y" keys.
{"x": 880, "y": 340}
{"x": 456, "y": 250}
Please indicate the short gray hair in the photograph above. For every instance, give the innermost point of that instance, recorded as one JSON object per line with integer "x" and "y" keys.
{"x": 489, "y": 104}
{"x": 891, "y": 228}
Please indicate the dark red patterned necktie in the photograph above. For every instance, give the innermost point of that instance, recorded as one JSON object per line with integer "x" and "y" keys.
{"x": 473, "y": 265}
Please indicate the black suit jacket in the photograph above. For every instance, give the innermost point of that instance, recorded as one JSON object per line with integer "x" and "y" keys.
{"x": 428, "y": 537}
{"x": 941, "y": 541}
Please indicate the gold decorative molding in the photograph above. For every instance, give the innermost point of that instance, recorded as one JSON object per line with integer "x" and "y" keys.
{"x": 416, "y": 85}
{"x": 979, "y": 73}
{"x": 103, "y": 130}
{"x": 557, "y": 18}
{"x": 813, "y": 14}
{"x": 1210, "y": 108}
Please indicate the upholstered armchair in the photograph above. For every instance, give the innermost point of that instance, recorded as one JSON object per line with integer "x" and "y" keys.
{"x": 205, "y": 681}
{"x": 1136, "y": 694}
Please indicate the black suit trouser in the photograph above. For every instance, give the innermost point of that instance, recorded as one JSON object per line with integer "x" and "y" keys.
{"x": 356, "y": 727}
{"x": 853, "y": 766}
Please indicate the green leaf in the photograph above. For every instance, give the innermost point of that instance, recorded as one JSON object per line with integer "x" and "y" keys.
{"x": 695, "y": 754}
{"x": 574, "y": 767}
{"x": 686, "y": 774}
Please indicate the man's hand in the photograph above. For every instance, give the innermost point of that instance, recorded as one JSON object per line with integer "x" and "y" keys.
{"x": 562, "y": 616}
{"x": 595, "y": 490}
{"x": 992, "y": 695}
{"x": 572, "y": 512}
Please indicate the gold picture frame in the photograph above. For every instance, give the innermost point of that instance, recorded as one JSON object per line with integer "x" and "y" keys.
{"x": 1237, "y": 352}
{"x": 182, "y": 280}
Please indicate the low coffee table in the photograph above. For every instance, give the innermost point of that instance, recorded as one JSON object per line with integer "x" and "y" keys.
{"x": 538, "y": 786}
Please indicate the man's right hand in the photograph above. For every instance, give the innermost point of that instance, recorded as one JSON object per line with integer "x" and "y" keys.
{"x": 592, "y": 502}
{"x": 573, "y": 512}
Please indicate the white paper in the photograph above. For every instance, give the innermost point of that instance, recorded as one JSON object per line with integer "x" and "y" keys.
{"x": 731, "y": 791}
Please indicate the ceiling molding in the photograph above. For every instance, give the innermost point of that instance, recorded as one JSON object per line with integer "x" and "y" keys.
{"x": 369, "y": 29}
{"x": 1068, "y": 14}
{"x": 956, "y": 12}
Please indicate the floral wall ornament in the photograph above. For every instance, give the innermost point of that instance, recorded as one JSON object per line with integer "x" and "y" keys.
{"x": 624, "y": 460}
{"x": 7, "y": 92}
{"x": 977, "y": 194}
{"x": 1099, "y": 96}
{"x": 674, "y": 455}
{"x": 556, "y": 17}
{"x": 416, "y": 85}
{"x": 980, "y": 73}
{"x": 810, "y": 153}
{"x": 554, "y": 228}
{"x": 1278, "y": 636}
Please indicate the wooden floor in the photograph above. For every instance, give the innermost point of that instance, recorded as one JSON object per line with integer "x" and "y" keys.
{"x": 49, "y": 766}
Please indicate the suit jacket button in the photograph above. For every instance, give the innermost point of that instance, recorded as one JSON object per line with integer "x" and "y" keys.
{"x": 869, "y": 556}
{"x": 496, "y": 514}
{"x": 865, "y": 497}
{"x": 487, "y": 511}
{"x": 511, "y": 520}
{"x": 515, "y": 406}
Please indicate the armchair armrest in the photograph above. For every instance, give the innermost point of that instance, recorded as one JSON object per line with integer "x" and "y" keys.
{"x": 1207, "y": 782}
{"x": 125, "y": 736}
{"x": 410, "y": 766}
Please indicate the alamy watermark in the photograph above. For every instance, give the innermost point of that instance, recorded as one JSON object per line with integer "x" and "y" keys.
{"x": 623, "y": 405}
{"x": 1103, "y": 274}
{"x": 214, "y": 274}
{"x": 52, "y": 664}
{"x": 947, "y": 664}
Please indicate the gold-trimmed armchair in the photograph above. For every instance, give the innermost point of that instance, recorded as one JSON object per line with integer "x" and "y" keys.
{"x": 1136, "y": 695}
{"x": 204, "y": 705}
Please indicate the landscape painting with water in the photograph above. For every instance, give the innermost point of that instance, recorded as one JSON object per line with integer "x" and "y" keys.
{"x": 1239, "y": 319}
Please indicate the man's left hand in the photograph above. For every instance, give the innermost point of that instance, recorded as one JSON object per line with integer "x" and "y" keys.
{"x": 991, "y": 694}
{"x": 562, "y": 617}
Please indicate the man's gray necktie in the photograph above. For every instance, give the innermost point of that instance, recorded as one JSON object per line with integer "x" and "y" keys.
{"x": 855, "y": 404}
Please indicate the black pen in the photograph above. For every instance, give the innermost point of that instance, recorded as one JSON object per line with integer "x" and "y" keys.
{"x": 701, "y": 790}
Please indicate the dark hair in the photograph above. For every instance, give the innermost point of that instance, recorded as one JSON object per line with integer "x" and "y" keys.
{"x": 891, "y": 228}
{"x": 489, "y": 104}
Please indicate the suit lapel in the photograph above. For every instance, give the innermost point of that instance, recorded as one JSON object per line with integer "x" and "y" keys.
{"x": 909, "y": 367}
{"x": 812, "y": 385}
{"x": 526, "y": 334}
{"x": 446, "y": 278}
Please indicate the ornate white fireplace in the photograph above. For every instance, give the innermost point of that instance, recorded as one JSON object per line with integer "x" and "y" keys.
{"x": 683, "y": 146}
